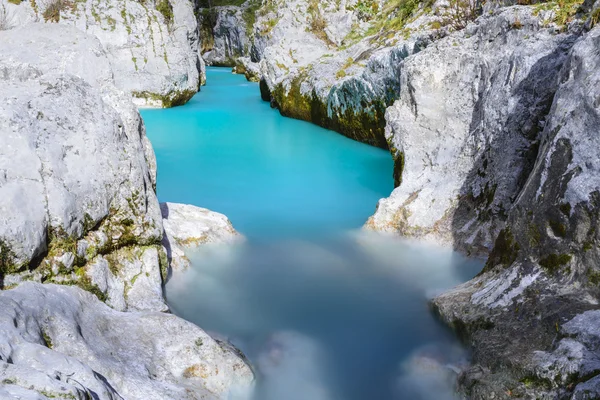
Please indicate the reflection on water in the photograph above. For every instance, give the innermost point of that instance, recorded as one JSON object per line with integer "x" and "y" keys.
{"x": 343, "y": 318}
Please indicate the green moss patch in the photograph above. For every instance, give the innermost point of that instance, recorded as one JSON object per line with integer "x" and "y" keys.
{"x": 553, "y": 262}
{"x": 505, "y": 250}
{"x": 166, "y": 9}
{"x": 172, "y": 99}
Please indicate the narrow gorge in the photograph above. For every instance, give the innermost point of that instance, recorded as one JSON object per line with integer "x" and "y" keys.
{"x": 462, "y": 136}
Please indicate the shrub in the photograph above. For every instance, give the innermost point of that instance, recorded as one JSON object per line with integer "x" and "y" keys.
{"x": 460, "y": 12}
{"x": 317, "y": 23}
{"x": 54, "y": 8}
{"x": 166, "y": 9}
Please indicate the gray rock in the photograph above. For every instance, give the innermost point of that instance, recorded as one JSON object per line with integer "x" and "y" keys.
{"x": 542, "y": 275}
{"x": 152, "y": 46}
{"x": 476, "y": 101}
{"x": 62, "y": 342}
{"x": 188, "y": 226}
{"x": 224, "y": 36}
{"x": 85, "y": 170}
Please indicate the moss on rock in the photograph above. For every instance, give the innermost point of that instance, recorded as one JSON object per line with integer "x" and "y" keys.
{"x": 553, "y": 262}
{"x": 505, "y": 251}
{"x": 173, "y": 99}
{"x": 366, "y": 126}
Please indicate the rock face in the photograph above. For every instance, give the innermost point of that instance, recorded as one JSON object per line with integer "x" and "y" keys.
{"x": 78, "y": 208}
{"x": 224, "y": 35}
{"x": 535, "y": 297}
{"x": 334, "y": 64}
{"x": 188, "y": 226}
{"x": 62, "y": 342}
{"x": 152, "y": 46}
{"x": 476, "y": 101}
{"x": 82, "y": 190}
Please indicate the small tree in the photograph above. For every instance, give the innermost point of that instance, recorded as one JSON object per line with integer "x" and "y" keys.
{"x": 54, "y": 8}
{"x": 460, "y": 12}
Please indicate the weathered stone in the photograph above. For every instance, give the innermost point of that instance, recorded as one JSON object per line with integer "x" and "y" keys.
{"x": 466, "y": 129}
{"x": 517, "y": 313}
{"x": 188, "y": 226}
{"x": 61, "y": 342}
{"x": 152, "y": 46}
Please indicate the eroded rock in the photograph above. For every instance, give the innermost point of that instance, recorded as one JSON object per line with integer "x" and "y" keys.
{"x": 188, "y": 226}
{"x": 63, "y": 342}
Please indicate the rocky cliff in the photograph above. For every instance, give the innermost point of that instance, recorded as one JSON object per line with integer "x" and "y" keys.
{"x": 152, "y": 46}
{"x": 79, "y": 210}
{"x": 492, "y": 121}
{"x": 537, "y": 297}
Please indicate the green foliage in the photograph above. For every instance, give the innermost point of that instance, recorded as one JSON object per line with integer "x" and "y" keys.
{"x": 395, "y": 14}
{"x": 47, "y": 339}
{"x": 564, "y": 10}
{"x": 17, "y": 2}
{"x": 460, "y": 12}
{"x": 558, "y": 228}
{"x": 7, "y": 260}
{"x": 54, "y": 8}
{"x": 317, "y": 23}
{"x": 595, "y": 17}
{"x": 505, "y": 250}
{"x": 166, "y": 9}
{"x": 342, "y": 72}
{"x": 553, "y": 262}
{"x": 365, "y": 9}
{"x": 219, "y": 3}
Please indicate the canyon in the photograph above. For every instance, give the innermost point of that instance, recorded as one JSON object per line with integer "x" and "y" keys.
{"x": 490, "y": 116}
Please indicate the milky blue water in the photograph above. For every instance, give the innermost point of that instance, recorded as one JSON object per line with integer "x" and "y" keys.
{"x": 228, "y": 151}
{"x": 322, "y": 311}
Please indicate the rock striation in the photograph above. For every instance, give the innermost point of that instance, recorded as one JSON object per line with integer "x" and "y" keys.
{"x": 537, "y": 297}
{"x": 62, "y": 342}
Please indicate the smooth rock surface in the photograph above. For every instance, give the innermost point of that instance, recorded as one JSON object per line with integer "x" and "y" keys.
{"x": 188, "y": 226}
{"x": 61, "y": 342}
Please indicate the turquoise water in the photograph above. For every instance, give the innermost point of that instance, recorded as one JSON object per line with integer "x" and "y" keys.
{"x": 228, "y": 151}
{"x": 323, "y": 311}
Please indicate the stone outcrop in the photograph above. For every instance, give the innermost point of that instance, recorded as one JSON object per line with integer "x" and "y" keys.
{"x": 62, "y": 342}
{"x": 152, "y": 46}
{"x": 224, "y": 34}
{"x": 466, "y": 129}
{"x": 188, "y": 226}
{"x": 80, "y": 198}
{"x": 79, "y": 213}
{"x": 535, "y": 297}
{"x": 334, "y": 64}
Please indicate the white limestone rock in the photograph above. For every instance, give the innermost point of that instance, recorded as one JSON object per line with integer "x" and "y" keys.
{"x": 77, "y": 172}
{"x": 544, "y": 265}
{"x": 188, "y": 226}
{"x": 61, "y": 342}
{"x": 152, "y": 46}
{"x": 466, "y": 128}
